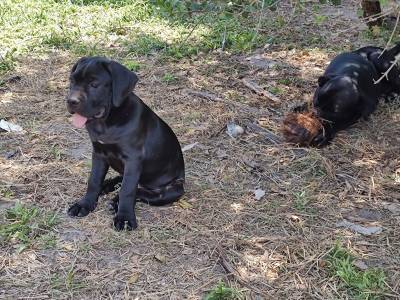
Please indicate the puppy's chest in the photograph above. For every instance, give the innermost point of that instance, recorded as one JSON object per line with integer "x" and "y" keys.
{"x": 109, "y": 151}
{"x": 100, "y": 133}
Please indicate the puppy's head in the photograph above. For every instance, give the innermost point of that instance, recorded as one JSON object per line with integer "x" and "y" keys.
{"x": 96, "y": 85}
{"x": 335, "y": 98}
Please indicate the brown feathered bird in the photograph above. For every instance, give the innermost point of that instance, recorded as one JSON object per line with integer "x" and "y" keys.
{"x": 301, "y": 128}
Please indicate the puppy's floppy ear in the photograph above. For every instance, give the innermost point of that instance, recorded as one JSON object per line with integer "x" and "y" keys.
{"x": 123, "y": 82}
{"x": 82, "y": 60}
{"x": 322, "y": 80}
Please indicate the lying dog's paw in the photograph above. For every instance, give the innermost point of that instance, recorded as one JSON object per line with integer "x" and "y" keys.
{"x": 122, "y": 222}
{"x": 77, "y": 210}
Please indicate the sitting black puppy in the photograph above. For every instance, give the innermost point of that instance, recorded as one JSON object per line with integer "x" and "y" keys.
{"x": 346, "y": 92}
{"x": 127, "y": 136}
{"x": 382, "y": 62}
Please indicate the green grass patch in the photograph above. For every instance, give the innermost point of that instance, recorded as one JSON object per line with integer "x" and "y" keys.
{"x": 7, "y": 62}
{"x": 133, "y": 66}
{"x": 23, "y": 226}
{"x": 361, "y": 284}
{"x": 169, "y": 78}
{"x": 301, "y": 201}
{"x": 66, "y": 282}
{"x": 122, "y": 28}
{"x": 6, "y": 192}
{"x": 223, "y": 292}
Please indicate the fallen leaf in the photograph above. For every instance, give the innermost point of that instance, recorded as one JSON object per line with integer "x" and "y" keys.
{"x": 161, "y": 258}
{"x": 259, "y": 193}
{"x": 188, "y": 147}
{"x": 10, "y": 127}
{"x": 133, "y": 278}
{"x": 365, "y": 230}
{"x": 184, "y": 204}
{"x": 68, "y": 246}
{"x": 322, "y": 263}
{"x": 294, "y": 218}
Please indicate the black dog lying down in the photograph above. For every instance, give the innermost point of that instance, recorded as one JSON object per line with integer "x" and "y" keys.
{"x": 127, "y": 136}
{"x": 346, "y": 91}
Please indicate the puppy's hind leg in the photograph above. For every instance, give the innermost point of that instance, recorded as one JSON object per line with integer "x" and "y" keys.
{"x": 369, "y": 106}
{"x": 111, "y": 184}
{"x": 162, "y": 196}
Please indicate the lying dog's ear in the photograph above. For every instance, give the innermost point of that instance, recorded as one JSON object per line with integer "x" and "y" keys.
{"x": 123, "y": 82}
{"x": 322, "y": 80}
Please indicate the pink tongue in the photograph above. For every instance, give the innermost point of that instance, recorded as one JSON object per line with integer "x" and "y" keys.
{"x": 78, "y": 121}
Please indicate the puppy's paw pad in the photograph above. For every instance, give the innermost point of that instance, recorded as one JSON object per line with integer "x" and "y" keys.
{"x": 77, "y": 210}
{"x": 122, "y": 223}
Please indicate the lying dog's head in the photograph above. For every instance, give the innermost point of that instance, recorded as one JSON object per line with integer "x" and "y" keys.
{"x": 335, "y": 98}
{"x": 96, "y": 85}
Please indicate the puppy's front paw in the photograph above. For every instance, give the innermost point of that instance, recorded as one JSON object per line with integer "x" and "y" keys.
{"x": 122, "y": 221}
{"x": 78, "y": 210}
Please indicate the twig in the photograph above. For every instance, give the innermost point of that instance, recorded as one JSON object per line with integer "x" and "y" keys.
{"x": 259, "y": 90}
{"x": 273, "y": 138}
{"x": 216, "y": 98}
{"x": 391, "y": 36}
{"x": 385, "y": 75}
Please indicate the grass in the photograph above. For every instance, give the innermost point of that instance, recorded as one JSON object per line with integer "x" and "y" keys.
{"x": 125, "y": 28}
{"x": 363, "y": 285}
{"x": 7, "y": 62}
{"x": 169, "y": 78}
{"x": 301, "y": 200}
{"x": 24, "y": 225}
{"x": 222, "y": 292}
{"x": 6, "y": 192}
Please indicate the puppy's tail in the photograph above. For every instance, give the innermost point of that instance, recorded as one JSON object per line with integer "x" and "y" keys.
{"x": 110, "y": 185}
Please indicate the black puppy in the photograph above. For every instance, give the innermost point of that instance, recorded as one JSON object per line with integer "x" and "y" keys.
{"x": 382, "y": 62}
{"x": 127, "y": 136}
{"x": 346, "y": 92}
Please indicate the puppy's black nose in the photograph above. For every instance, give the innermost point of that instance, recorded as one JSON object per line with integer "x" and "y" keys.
{"x": 73, "y": 101}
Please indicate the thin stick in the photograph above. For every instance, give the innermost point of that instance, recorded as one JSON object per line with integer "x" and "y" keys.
{"x": 391, "y": 36}
{"x": 397, "y": 58}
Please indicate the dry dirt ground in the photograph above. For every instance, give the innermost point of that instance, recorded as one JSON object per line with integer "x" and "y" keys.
{"x": 272, "y": 248}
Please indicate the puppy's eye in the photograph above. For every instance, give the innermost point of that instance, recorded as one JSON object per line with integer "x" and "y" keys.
{"x": 94, "y": 84}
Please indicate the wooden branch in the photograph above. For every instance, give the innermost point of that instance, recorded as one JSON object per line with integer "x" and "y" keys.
{"x": 265, "y": 133}
{"x": 385, "y": 75}
{"x": 391, "y": 36}
{"x": 259, "y": 90}
{"x": 215, "y": 98}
